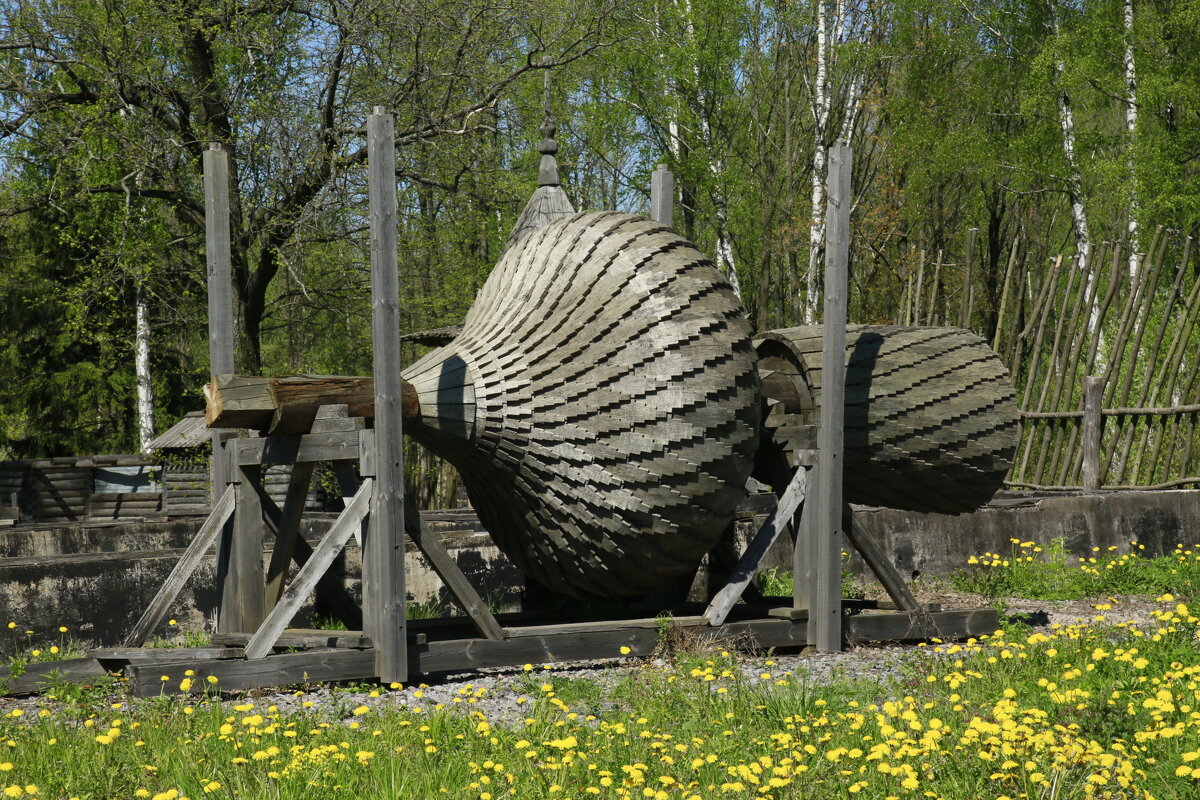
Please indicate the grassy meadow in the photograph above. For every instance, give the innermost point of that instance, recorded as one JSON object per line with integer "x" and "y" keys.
{"x": 1096, "y": 709}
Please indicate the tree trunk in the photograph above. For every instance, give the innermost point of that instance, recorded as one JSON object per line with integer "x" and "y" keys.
{"x": 141, "y": 367}
{"x": 821, "y": 105}
{"x": 1131, "y": 226}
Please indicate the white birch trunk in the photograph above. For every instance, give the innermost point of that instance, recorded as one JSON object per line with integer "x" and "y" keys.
{"x": 141, "y": 367}
{"x": 821, "y": 106}
{"x": 1131, "y": 229}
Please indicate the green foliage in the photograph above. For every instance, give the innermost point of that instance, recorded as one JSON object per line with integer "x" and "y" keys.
{"x": 1051, "y": 573}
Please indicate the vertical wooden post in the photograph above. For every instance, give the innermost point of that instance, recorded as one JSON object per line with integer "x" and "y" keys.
{"x": 220, "y": 355}
{"x": 804, "y": 528}
{"x": 825, "y": 612}
{"x": 662, "y": 196}
{"x": 1093, "y": 427}
{"x": 383, "y": 552}
{"x": 244, "y": 592}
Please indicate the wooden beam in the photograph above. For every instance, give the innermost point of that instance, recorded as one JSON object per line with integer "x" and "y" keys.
{"x": 825, "y": 610}
{"x": 242, "y": 589}
{"x": 891, "y": 580}
{"x": 283, "y": 669}
{"x": 1093, "y": 429}
{"x": 921, "y": 625}
{"x": 662, "y": 196}
{"x": 287, "y": 529}
{"x": 447, "y": 569}
{"x": 331, "y": 446}
{"x": 751, "y": 561}
{"x": 183, "y": 569}
{"x": 383, "y": 550}
{"x": 264, "y": 638}
{"x": 288, "y": 405}
{"x": 41, "y": 676}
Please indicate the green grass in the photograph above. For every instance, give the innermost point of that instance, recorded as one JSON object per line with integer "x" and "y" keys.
{"x": 1050, "y": 573}
{"x": 1084, "y": 712}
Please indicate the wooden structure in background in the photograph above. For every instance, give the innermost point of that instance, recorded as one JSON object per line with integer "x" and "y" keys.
{"x": 605, "y": 419}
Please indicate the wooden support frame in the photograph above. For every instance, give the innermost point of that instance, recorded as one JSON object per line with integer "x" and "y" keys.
{"x": 751, "y": 561}
{"x": 339, "y": 533}
{"x": 384, "y": 602}
{"x": 825, "y": 605}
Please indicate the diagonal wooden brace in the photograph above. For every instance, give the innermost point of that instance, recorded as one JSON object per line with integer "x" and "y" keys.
{"x": 184, "y": 567}
{"x": 263, "y": 640}
{"x": 751, "y": 560}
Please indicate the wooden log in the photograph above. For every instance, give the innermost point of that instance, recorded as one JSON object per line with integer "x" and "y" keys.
{"x": 1093, "y": 428}
{"x": 288, "y": 405}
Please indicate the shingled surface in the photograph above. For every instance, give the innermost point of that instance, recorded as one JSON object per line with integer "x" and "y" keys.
{"x": 931, "y": 419}
{"x": 601, "y": 404}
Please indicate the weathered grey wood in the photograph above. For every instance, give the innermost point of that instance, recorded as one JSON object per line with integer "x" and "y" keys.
{"x": 266, "y": 634}
{"x": 921, "y": 625}
{"x": 383, "y": 549}
{"x": 657, "y": 623}
{"x": 447, "y": 569}
{"x": 825, "y": 607}
{"x": 150, "y": 655}
{"x": 183, "y": 569}
{"x": 287, "y": 530}
{"x": 662, "y": 196}
{"x": 220, "y": 294}
{"x": 37, "y": 677}
{"x": 242, "y": 603}
{"x": 288, "y": 405}
{"x": 301, "y": 639}
{"x": 751, "y": 561}
{"x": 283, "y": 669}
{"x": 885, "y": 572}
{"x": 1093, "y": 428}
{"x": 930, "y": 424}
{"x": 613, "y": 405}
{"x": 331, "y": 446}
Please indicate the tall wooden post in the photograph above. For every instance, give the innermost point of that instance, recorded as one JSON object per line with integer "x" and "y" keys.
{"x": 1093, "y": 427}
{"x": 662, "y": 196}
{"x": 825, "y": 612}
{"x": 220, "y": 357}
{"x": 383, "y": 550}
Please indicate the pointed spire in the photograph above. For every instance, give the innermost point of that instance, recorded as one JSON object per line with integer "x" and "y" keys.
{"x": 548, "y": 147}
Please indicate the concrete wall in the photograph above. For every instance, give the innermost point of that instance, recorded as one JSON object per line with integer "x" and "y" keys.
{"x": 96, "y": 579}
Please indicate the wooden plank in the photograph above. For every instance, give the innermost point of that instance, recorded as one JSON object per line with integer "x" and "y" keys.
{"x": 148, "y": 655}
{"x": 447, "y": 569}
{"x": 751, "y": 561}
{"x": 219, "y": 261}
{"x": 657, "y": 623}
{"x": 331, "y": 446}
{"x": 662, "y": 196}
{"x": 921, "y": 625}
{"x": 884, "y": 570}
{"x": 268, "y": 632}
{"x": 330, "y": 592}
{"x": 37, "y": 677}
{"x": 1093, "y": 429}
{"x": 383, "y": 550}
{"x": 825, "y": 607}
{"x": 242, "y": 590}
{"x": 183, "y": 569}
{"x": 301, "y": 639}
{"x": 287, "y": 529}
{"x": 282, "y": 669}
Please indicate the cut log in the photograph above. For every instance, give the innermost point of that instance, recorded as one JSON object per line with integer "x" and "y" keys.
{"x": 288, "y": 405}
